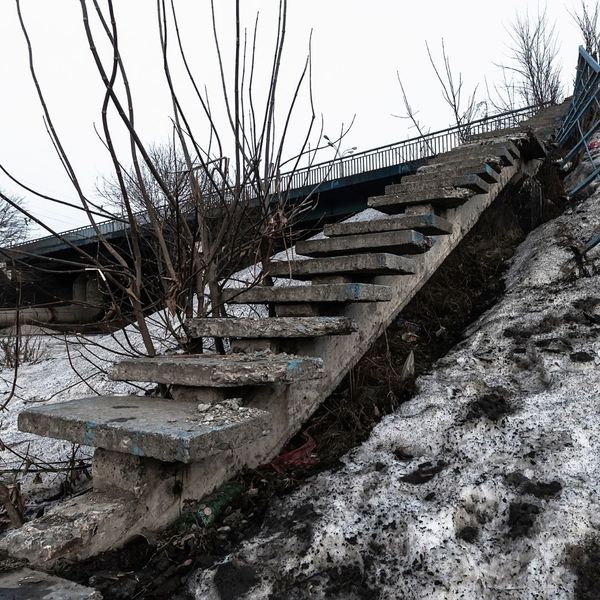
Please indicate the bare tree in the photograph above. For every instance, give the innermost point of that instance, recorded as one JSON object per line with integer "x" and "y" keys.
{"x": 207, "y": 204}
{"x": 587, "y": 21}
{"x": 533, "y": 73}
{"x": 14, "y": 225}
{"x": 464, "y": 108}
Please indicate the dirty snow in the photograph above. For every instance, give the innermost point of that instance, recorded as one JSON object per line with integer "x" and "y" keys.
{"x": 484, "y": 485}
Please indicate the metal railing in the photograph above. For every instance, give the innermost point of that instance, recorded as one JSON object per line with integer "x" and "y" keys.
{"x": 312, "y": 176}
{"x": 583, "y": 117}
{"x": 406, "y": 151}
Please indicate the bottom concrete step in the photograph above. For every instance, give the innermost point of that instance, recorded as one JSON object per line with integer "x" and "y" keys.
{"x": 219, "y": 371}
{"x": 26, "y": 584}
{"x": 167, "y": 430}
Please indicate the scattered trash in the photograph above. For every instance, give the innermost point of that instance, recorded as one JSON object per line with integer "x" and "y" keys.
{"x": 302, "y": 457}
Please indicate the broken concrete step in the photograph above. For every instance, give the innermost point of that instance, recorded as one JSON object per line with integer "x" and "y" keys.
{"x": 446, "y": 197}
{"x": 362, "y": 265}
{"x": 395, "y": 242}
{"x": 272, "y": 327}
{"x": 301, "y": 294}
{"x": 214, "y": 370}
{"x": 26, "y": 584}
{"x": 428, "y": 181}
{"x": 428, "y": 224}
{"x": 167, "y": 430}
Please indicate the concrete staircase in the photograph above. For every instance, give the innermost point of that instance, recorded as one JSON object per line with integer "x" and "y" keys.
{"x": 236, "y": 410}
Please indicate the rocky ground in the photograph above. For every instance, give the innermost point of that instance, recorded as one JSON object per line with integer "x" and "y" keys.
{"x": 485, "y": 484}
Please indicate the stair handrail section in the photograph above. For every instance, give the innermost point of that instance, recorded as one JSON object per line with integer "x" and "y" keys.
{"x": 391, "y": 155}
{"x": 583, "y": 117}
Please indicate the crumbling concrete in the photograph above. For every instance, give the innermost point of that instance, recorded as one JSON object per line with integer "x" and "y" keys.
{"x": 428, "y": 224}
{"x": 396, "y": 242}
{"x": 352, "y": 292}
{"x": 230, "y": 370}
{"x": 443, "y": 197}
{"x": 275, "y": 327}
{"x": 26, "y": 584}
{"x": 355, "y": 267}
{"x": 168, "y": 430}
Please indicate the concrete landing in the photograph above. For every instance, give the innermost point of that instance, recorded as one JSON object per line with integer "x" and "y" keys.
{"x": 273, "y": 327}
{"x": 395, "y": 242}
{"x": 336, "y": 292}
{"x": 446, "y": 197}
{"x": 214, "y": 370}
{"x": 167, "y": 430}
{"x": 427, "y": 224}
{"x": 361, "y": 265}
{"x": 26, "y": 584}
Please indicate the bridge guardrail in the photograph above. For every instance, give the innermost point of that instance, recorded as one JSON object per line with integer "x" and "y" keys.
{"x": 408, "y": 150}
{"x": 583, "y": 117}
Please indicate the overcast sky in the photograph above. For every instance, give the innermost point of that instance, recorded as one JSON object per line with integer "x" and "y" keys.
{"x": 357, "y": 48}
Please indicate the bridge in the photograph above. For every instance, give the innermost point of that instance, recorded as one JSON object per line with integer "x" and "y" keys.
{"x": 54, "y": 294}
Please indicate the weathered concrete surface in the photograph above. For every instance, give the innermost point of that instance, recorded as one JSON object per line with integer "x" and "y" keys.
{"x": 420, "y": 183}
{"x": 487, "y": 168}
{"x": 26, "y": 584}
{"x": 360, "y": 265}
{"x": 274, "y": 327}
{"x": 350, "y": 292}
{"x": 213, "y": 370}
{"x": 444, "y": 197}
{"x": 506, "y": 150}
{"x": 428, "y": 224}
{"x": 397, "y": 242}
{"x": 132, "y": 494}
{"x": 168, "y": 430}
{"x": 77, "y": 528}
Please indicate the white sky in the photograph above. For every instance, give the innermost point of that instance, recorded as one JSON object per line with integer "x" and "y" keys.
{"x": 357, "y": 48}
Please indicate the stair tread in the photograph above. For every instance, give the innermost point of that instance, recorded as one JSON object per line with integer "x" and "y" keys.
{"x": 486, "y": 168}
{"x": 398, "y": 242}
{"x": 491, "y": 145}
{"x": 168, "y": 430}
{"x": 271, "y": 327}
{"x": 365, "y": 265}
{"x": 446, "y": 197}
{"x": 299, "y": 294}
{"x": 214, "y": 370}
{"x": 433, "y": 180}
{"x": 428, "y": 224}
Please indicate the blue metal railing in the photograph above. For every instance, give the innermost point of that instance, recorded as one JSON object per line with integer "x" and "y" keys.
{"x": 583, "y": 117}
{"x": 406, "y": 151}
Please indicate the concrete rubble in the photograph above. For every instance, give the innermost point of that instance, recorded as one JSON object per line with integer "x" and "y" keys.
{"x": 26, "y": 584}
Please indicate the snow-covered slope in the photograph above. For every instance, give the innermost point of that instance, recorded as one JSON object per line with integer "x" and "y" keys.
{"x": 485, "y": 485}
